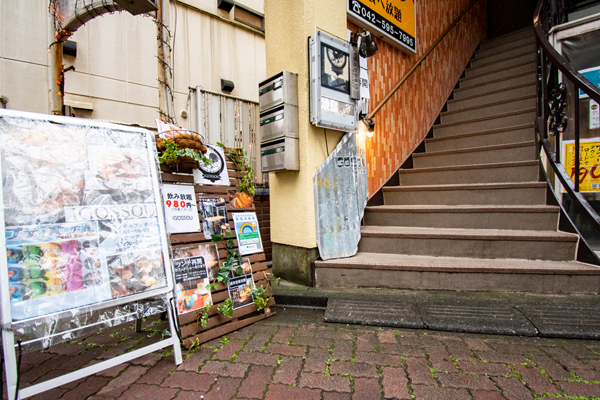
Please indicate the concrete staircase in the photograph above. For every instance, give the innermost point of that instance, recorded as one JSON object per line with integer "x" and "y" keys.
{"x": 471, "y": 214}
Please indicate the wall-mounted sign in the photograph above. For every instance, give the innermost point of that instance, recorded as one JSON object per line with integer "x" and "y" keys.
{"x": 248, "y": 235}
{"x": 589, "y": 163}
{"x": 393, "y": 21}
{"x": 181, "y": 211}
{"x": 592, "y": 75}
{"x": 214, "y": 173}
{"x": 191, "y": 280}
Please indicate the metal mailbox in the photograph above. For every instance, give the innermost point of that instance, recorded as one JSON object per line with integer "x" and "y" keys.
{"x": 278, "y": 89}
{"x": 279, "y": 121}
{"x": 280, "y": 155}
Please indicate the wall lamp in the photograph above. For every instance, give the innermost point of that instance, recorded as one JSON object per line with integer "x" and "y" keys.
{"x": 368, "y": 46}
{"x": 369, "y": 123}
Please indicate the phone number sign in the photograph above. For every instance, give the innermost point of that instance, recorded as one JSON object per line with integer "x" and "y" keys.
{"x": 394, "y": 19}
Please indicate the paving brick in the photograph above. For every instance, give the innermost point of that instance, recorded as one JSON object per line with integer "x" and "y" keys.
{"x": 142, "y": 391}
{"x": 157, "y": 374}
{"x": 255, "y": 384}
{"x": 279, "y": 392}
{"x": 467, "y": 381}
{"x": 485, "y": 395}
{"x": 223, "y": 389}
{"x": 42, "y": 369}
{"x": 522, "y": 349}
{"x": 189, "y": 381}
{"x": 588, "y": 375}
{"x": 197, "y": 359}
{"x": 366, "y": 342}
{"x": 441, "y": 360}
{"x": 497, "y": 357}
{"x": 118, "y": 385}
{"x": 316, "y": 361}
{"x": 336, "y": 396}
{"x": 223, "y": 368}
{"x": 228, "y": 350}
{"x": 284, "y": 335}
{"x": 286, "y": 350}
{"x": 288, "y": 370}
{"x": 418, "y": 371}
{"x": 187, "y": 395}
{"x": 477, "y": 344}
{"x": 88, "y": 387}
{"x": 480, "y": 368}
{"x": 365, "y": 388}
{"x": 354, "y": 369}
{"x": 379, "y": 359}
{"x": 52, "y": 394}
{"x": 536, "y": 381}
{"x": 312, "y": 342}
{"x": 83, "y": 359}
{"x": 257, "y": 358}
{"x": 66, "y": 349}
{"x": 36, "y": 357}
{"x": 148, "y": 360}
{"x": 262, "y": 328}
{"x": 580, "y": 350}
{"x": 412, "y": 351}
{"x": 257, "y": 342}
{"x": 112, "y": 372}
{"x": 119, "y": 349}
{"x": 386, "y": 337}
{"x": 459, "y": 349}
{"x": 325, "y": 382}
{"x": 439, "y": 393}
{"x": 513, "y": 389}
{"x": 565, "y": 358}
{"x": 551, "y": 367}
{"x": 395, "y": 383}
{"x": 342, "y": 350}
{"x": 240, "y": 334}
{"x": 580, "y": 389}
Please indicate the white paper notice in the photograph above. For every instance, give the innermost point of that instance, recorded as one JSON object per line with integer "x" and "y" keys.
{"x": 181, "y": 210}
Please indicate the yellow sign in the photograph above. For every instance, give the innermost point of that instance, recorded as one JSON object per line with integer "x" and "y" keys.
{"x": 589, "y": 163}
{"x": 394, "y": 21}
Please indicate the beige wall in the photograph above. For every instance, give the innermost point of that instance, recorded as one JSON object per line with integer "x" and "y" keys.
{"x": 116, "y": 65}
{"x": 292, "y": 194}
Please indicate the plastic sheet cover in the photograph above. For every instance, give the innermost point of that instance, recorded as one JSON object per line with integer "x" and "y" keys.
{"x": 82, "y": 227}
{"x": 341, "y": 191}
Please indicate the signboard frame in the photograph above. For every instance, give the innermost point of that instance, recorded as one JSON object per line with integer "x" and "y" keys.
{"x": 360, "y": 13}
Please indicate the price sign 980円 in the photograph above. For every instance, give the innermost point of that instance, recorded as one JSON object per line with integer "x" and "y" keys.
{"x": 394, "y": 21}
{"x": 181, "y": 210}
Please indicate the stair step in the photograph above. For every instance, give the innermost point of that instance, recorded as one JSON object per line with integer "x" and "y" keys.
{"x": 523, "y": 151}
{"x": 479, "y": 67}
{"x": 529, "y": 89}
{"x": 488, "y": 137}
{"x": 519, "y": 193}
{"x": 400, "y": 271}
{"x": 503, "y": 120}
{"x": 519, "y": 171}
{"x": 517, "y": 44}
{"x": 487, "y": 110}
{"x": 498, "y": 74}
{"x": 538, "y": 218}
{"x": 500, "y": 56}
{"x": 504, "y": 83}
{"x": 477, "y": 243}
{"x": 508, "y": 38}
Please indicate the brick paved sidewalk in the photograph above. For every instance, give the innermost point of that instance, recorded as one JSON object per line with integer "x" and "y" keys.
{"x": 295, "y": 355}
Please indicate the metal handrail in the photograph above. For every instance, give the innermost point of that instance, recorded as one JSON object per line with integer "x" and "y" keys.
{"x": 419, "y": 62}
{"x": 549, "y": 76}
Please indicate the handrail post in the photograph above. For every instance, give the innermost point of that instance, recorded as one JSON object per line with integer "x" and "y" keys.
{"x": 576, "y": 132}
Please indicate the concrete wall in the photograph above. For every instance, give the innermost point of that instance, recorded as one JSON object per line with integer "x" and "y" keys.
{"x": 116, "y": 65}
{"x": 405, "y": 120}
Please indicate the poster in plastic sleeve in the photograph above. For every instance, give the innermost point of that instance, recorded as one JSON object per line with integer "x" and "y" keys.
{"x": 214, "y": 173}
{"x": 240, "y": 286}
{"x": 181, "y": 210}
{"x": 191, "y": 281}
{"x": 214, "y": 216}
{"x": 594, "y": 115}
{"x": 247, "y": 233}
{"x": 210, "y": 253}
{"x": 80, "y": 205}
{"x": 589, "y": 163}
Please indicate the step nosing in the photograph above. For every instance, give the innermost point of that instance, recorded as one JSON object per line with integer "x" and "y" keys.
{"x": 482, "y": 133}
{"x": 463, "y": 209}
{"x": 510, "y": 70}
{"x": 468, "y": 186}
{"x": 512, "y": 164}
{"x": 478, "y": 74}
{"x": 476, "y": 234}
{"x": 476, "y": 149}
{"x": 492, "y": 82}
{"x": 506, "y": 47}
{"x": 515, "y": 87}
{"x": 487, "y": 105}
{"x": 490, "y": 117}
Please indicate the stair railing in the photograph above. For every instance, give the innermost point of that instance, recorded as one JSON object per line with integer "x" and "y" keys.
{"x": 552, "y": 117}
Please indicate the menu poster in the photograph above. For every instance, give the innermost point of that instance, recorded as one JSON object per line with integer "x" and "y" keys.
{"x": 214, "y": 216}
{"x": 191, "y": 280}
{"x": 248, "y": 235}
{"x": 181, "y": 211}
{"x": 241, "y": 286}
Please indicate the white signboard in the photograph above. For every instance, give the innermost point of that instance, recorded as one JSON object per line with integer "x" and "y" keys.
{"x": 181, "y": 210}
{"x": 594, "y": 115}
{"x": 216, "y": 172}
{"x": 247, "y": 233}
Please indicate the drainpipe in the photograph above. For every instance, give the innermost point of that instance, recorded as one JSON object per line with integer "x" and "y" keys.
{"x": 163, "y": 53}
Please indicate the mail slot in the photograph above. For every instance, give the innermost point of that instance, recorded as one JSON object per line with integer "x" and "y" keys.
{"x": 279, "y": 121}
{"x": 280, "y": 155}
{"x": 279, "y": 89}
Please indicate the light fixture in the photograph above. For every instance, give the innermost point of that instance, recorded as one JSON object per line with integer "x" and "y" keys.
{"x": 369, "y": 123}
{"x": 227, "y": 86}
{"x": 368, "y": 46}
{"x": 225, "y": 5}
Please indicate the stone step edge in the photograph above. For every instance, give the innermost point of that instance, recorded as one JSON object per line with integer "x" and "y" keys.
{"x": 490, "y": 117}
{"x": 512, "y": 67}
{"x": 453, "y": 101}
{"x": 482, "y": 106}
{"x": 400, "y": 209}
{"x": 475, "y": 149}
{"x": 510, "y": 46}
{"x": 459, "y": 265}
{"x": 492, "y": 82}
{"x": 475, "y": 74}
{"x": 467, "y": 186}
{"x": 409, "y": 232}
{"x": 481, "y": 133}
{"x": 511, "y": 164}
{"x": 519, "y": 33}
